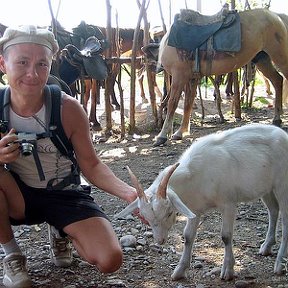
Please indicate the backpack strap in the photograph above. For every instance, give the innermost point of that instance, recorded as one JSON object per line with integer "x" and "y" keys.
{"x": 58, "y": 135}
{"x": 60, "y": 140}
{"x": 4, "y": 111}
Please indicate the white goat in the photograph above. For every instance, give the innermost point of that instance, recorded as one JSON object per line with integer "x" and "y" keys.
{"x": 219, "y": 171}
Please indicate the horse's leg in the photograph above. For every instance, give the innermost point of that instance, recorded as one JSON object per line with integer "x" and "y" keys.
{"x": 265, "y": 65}
{"x": 113, "y": 95}
{"x": 229, "y": 84}
{"x": 278, "y": 53}
{"x": 190, "y": 93}
{"x": 267, "y": 85}
{"x": 95, "y": 91}
{"x": 156, "y": 88}
{"x": 174, "y": 96}
{"x": 142, "y": 90}
{"x": 86, "y": 94}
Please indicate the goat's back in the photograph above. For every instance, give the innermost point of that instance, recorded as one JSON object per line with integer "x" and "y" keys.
{"x": 236, "y": 165}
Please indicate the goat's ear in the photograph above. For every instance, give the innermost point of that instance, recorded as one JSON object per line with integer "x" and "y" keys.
{"x": 161, "y": 192}
{"x": 179, "y": 205}
{"x": 128, "y": 210}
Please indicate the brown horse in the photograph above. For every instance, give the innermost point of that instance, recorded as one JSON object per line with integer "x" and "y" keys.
{"x": 92, "y": 87}
{"x": 264, "y": 41}
{"x": 122, "y": 39}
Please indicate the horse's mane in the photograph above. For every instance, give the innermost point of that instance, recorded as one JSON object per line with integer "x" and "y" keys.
{"x": 284, "y": 19}
{"x": 128, "y": 34}
{"x": 2, "y": 29}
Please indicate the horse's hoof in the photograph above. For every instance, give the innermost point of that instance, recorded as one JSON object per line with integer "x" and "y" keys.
{"x": 117, "y": 107}
{"x": 176, "y": 137}
{"x": 222, "y": 120}
{"x": 160, "y": 141}
{"x": 277, "y": 122}
{"x": 145, "y": 100}
{"x": 96, "y": 127}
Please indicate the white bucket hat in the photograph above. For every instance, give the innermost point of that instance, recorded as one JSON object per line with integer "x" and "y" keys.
{"x": 28, "y": 34}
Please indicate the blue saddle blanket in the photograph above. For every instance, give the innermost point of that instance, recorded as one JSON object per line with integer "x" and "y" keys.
{"x": 187, "y": 36}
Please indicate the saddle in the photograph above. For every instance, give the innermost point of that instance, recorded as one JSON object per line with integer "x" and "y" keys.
{"x": 89, "y": 59}
{"x": 195, "y": 18}
{"x": 192, "y": 30}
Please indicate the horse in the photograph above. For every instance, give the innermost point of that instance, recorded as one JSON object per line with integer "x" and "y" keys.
{"x": 264, "y": 42}
{"x": 123, "y": 38}
{"x": 80, "y": 53}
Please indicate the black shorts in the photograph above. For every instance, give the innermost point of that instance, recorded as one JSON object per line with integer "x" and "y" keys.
{"x": 56, "y": 207}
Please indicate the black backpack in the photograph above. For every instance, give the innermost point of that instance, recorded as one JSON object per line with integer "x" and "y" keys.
{"x": 57, "y": 133}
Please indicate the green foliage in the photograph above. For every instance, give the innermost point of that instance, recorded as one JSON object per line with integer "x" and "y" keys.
{"x": 262, "y": 100}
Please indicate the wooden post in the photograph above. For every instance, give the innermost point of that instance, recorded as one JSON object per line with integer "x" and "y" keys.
{"x": 133, "y": 69}
{"x": 237, "y": 104}
{"x": 151, "y": 78}
{"x": 108, "y": 81}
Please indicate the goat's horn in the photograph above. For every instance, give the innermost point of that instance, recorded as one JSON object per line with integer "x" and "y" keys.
{"x": 137, "y": 185}
{"x": 161, "y": 192}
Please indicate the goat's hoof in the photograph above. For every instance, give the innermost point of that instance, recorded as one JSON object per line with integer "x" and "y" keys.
{"x": 160, "y": 141}
{"x": 227, "y": 275}
{"x": 266, "y": 249}
{"x": 178, "y": 274}
{"x": 280, "y": 267}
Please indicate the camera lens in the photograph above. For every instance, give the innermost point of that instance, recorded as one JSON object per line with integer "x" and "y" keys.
{"x": 27, "y": 148}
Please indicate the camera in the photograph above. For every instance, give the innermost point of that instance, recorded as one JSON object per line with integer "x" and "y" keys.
{"x": 3, "y": 126}
{"x": 27, "y": 143}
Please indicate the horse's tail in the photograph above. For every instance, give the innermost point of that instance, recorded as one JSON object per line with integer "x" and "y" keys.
{"x": 285, "y": 92}
{"x": 163, "y": 43}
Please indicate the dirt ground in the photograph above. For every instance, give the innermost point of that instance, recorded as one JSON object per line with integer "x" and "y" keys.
{"x": 149, "y": 265}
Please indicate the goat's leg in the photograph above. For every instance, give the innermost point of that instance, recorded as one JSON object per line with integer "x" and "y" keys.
{"x": 273, "y": 210}
{"x": 189, "y": 236}
{"x": 283, "y": 249}
{"x": 190, "y": 93}
{"x": 228, "y": 214}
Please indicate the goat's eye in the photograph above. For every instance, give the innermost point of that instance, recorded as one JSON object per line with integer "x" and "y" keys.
{"x": 170, "y": 214}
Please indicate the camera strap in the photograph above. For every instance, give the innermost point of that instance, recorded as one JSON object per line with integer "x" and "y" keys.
{"x": 38, "y": 164}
